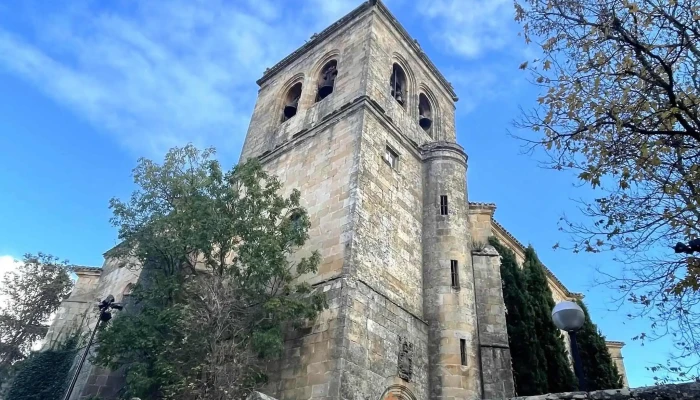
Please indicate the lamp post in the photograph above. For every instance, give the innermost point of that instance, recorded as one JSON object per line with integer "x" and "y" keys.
{"x": 569, "y": 317}
{"x": 105, "y": 307}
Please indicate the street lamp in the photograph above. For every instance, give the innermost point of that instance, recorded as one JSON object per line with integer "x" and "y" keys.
{"x": 692, "y": 247}
{"x": 105, "y": 307}
{"x": 569, "y": 317}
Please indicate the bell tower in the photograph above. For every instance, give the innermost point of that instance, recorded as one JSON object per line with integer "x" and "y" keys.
{"x": 362, "y": 123}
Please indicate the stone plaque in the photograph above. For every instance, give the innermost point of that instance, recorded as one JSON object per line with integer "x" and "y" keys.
{"x": 405, "y": 359}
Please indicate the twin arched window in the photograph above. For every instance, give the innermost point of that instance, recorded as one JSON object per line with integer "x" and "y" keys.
{"x": 399, "y": 91}
{"x": 325, "y": 84}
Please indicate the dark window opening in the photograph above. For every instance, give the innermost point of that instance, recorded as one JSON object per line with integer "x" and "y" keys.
{"x": 326, "y": 82}
{"x": 390, "y": 157}
{"x": 297, "y": 220}
{"x": 425, "y": 112}
{"x": 463, "y": 351}
{"x": 454, "y": 271}
{"x": 291, "y": 102}
{"x": 398, "y": 85}
{"x": 443, "y": 205}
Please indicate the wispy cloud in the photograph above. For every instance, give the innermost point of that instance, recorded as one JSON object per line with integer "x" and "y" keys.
{"x": 470, "y": 28}
{"x": 158, "y": 74}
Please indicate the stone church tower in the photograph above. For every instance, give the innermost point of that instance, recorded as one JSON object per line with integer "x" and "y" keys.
{"x": 362, "y": 122}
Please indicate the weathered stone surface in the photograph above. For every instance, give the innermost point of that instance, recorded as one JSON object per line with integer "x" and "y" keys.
{"x": 398, "y": 326}
{"x": 661, "y": 392}
{"x": 259, "y": 396}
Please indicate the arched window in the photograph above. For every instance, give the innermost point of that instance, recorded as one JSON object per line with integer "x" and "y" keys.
{"x": 291, "y": 102}
{"x": 425, "y": 113}
{"x": 326, "y": 81}
{"x": 128, "y": 290}
{"x": 398, "y": 84}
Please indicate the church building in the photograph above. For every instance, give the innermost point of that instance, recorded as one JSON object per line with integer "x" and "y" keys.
{"x": 363, "y": 124}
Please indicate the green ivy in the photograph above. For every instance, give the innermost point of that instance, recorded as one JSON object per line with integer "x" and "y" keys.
{"x": 44, "y": 375}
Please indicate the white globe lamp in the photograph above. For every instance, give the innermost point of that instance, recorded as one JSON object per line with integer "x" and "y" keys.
{"x": 568, "y": 316}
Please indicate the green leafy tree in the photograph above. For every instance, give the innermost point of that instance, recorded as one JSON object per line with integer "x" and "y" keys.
{"x": 33, "y": 292}
{"x": 560, "y": 377}
{"x": 528, "y": 358}
{"x": 598, "y": 366}
{"x": 44, "y": 375}
{"x": 619, "y": 105}
{"x": 219, "y": 277}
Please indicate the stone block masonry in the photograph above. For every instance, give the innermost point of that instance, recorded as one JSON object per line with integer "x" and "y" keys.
{"x": 682, "y": 391}
{"x": 415, "y": 308}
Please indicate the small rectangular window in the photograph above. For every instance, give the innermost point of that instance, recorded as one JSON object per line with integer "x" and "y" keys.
{"x": 463, "y": 351}
{"x": 443, "y": 205}
{"x": 390, "y": 157}
{"x": 454, "y": 270}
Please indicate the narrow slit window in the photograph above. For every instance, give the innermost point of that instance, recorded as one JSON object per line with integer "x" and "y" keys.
{"x": 443, "y": 205}
{"x": 390, "y": 157}
{"x": 454, "y": 271}
{"x": 463, "y": 351}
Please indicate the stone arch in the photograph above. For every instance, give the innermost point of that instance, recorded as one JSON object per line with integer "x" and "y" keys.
{"x": 325, "y": 82}
{"x": 128, "y": 291}
{"x": 288, "y": 90}
{"x": 410, "y": 80}
{"x": 317, "y": 69}
{"x": 397, "y": 392}
{"x": 425, "y": 91}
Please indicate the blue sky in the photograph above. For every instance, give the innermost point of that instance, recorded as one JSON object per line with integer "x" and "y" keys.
{"x": 86, "y": 89}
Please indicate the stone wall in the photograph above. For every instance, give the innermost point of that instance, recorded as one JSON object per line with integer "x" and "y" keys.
{"x": 361, "y": 345}
{"x": 388, "y": 222}
{"x": 662, "y": 392}
{"x": 75, "y": 313}
{"x": 496, "y": 365}
{"x": 322, "y": 163}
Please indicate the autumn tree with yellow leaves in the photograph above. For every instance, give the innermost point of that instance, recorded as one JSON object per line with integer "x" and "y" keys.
{"x": 619, "y": 102}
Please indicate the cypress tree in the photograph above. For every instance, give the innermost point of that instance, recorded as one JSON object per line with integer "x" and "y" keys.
{"x": 560, "y": 377}
{"x": 529, "y": 366}
{"x": 598, "y": 366}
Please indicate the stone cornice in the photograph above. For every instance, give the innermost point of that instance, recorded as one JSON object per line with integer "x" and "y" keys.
{"x": 444, "y": 150}
{"x": 614, "y": 343}
{"x": 490, "y": 208}
{"x": 342, "y": 22}
{"x": 83, "y": 270}
{"x": 334, "y": 117}
{"x": 315, "y": 39}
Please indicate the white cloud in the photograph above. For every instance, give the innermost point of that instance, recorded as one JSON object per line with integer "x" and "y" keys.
{"x": 470, "y": 27}
{"x": 159, "y": 74}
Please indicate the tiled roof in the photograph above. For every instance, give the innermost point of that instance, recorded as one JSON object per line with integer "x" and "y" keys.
{"x": 547, "y": 270}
